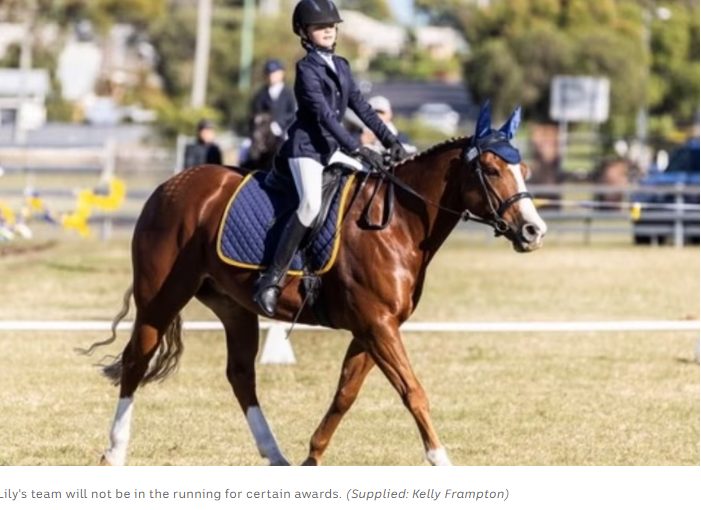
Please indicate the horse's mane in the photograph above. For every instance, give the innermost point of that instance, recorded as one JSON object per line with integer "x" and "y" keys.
{"x": 450, "y": 143}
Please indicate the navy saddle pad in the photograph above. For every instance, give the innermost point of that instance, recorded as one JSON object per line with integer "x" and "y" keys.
{"x": 255, "y": 217}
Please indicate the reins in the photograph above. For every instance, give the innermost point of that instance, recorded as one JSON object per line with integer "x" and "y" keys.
{"x": 470, "y": 155}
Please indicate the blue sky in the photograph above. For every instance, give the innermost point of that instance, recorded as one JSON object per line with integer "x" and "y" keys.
{"x": 402, "y": 10}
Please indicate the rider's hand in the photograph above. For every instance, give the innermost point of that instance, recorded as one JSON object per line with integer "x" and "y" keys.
{"x": 397, "y": 151}
{"x": 370, "y": 157}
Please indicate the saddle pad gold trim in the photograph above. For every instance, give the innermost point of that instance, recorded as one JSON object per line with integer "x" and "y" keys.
{"x": 336, "y": 242}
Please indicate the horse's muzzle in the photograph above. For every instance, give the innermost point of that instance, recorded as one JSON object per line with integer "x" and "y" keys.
{"x": 529, "y": 237}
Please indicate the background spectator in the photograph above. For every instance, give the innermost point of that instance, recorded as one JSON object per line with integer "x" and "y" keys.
{"x": 204, "y": 150}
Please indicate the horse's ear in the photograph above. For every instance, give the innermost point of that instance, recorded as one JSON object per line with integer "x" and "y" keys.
{"x": 484, "y": 120}
{"x": 510, "y": 126}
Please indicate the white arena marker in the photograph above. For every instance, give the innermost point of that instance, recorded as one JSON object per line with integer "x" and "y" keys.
{"x": 277, "y": 348}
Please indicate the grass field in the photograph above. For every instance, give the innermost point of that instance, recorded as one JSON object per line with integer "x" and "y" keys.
{"x": 497, "y": 399}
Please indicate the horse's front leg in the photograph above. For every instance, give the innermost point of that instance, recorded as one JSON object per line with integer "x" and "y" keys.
{"x": 387, "y": 350}
{"x": 241, "y": 327}
{"x": 356, "y": 365}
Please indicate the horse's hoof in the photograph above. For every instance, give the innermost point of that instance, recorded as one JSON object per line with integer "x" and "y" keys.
{"x": 310, "y": 461}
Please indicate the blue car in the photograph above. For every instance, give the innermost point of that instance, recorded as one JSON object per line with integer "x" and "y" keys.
{"x": 655, "y": 220}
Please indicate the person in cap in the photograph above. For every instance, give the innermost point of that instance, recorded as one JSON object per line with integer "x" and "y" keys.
{"x": 204, "y": 150}
{"x": 383, "y": 108}
{"x": 274, "y": 98}
{"x": 324, "y": 88}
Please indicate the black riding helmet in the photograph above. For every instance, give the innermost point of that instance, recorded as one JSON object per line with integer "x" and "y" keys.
{"x": 313, "y": 12}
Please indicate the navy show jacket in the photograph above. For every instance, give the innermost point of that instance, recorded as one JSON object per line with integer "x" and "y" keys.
{"x": 322, "y": 98}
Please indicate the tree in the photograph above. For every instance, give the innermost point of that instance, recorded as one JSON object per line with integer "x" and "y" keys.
{"x": 673, "y": 86}
{"x": 519, "y": 45}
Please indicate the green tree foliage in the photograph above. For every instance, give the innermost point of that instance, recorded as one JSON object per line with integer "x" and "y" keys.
{"x": 673, "y": 88}
{"x": 378, "y": 9}
{"x": 519, "y": 45}
{"x": 174, "y": 38}
{"x": 102, "y": 13}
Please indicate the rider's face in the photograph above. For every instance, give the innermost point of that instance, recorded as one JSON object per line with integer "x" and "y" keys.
{"x": 323, "y": 35}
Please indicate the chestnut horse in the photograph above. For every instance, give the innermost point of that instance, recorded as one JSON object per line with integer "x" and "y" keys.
{"x": 373, "y": 287}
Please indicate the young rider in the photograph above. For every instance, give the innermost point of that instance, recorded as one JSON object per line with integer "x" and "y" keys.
{"x": 324, "y": 88}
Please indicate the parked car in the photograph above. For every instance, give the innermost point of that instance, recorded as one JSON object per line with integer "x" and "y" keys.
{"x": 654, "y": 218}
{"x": 103, "y": 111}
{"x": 439, "y": 116}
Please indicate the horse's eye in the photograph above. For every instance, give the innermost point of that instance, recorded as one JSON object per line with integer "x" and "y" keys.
{"x": 491, "y": 171}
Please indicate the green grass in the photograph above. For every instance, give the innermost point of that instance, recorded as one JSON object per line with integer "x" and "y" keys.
{"x": 497, "y": 399}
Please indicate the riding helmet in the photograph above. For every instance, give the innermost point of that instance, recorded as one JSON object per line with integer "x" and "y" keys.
{"x": 313, "y": 12}
{"x": 272, "y": 65}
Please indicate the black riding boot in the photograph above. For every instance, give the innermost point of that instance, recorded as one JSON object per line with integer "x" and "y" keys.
{"x": 269, "y": 284}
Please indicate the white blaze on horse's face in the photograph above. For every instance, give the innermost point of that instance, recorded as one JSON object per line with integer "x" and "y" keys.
{"x": 532, "y": 227}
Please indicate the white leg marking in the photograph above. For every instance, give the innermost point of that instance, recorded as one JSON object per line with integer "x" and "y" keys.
{"x": 438, "y": 457}
{"x": 526, "y": 206}
{"x": 265, "y": 441}
{"x": 116, "y": 454}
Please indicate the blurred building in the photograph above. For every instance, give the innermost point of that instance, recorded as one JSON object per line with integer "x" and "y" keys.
{"x": 23, "y": 97}
{"x": 95, "y": 73}
{"x": 373, "y": 37}
{"x": 10, "y": 33}
{"x": 442, "y": 43}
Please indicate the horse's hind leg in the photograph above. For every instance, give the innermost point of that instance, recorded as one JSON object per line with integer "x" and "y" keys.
{"x": 134, "y": 362}
{"x": 162, "y": 287}
{"x": 241, "y": 327}
{"x": 356, "y": 365}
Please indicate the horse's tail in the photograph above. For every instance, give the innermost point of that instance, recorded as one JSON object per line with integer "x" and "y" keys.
{"x": 117, "y": 319}
{"x": 164, "y": 362}
{"x": 166, "y": 359}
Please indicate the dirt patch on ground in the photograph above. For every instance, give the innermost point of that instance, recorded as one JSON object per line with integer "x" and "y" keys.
{"x": 21, "y": 249}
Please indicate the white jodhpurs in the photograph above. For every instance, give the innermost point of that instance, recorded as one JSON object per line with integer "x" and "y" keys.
{"x": 306, "y": 173}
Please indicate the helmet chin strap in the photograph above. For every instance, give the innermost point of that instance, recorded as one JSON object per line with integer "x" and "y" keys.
{"x": 310, "y": 46}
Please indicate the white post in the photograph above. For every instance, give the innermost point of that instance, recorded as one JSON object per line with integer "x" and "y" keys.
{"x": 201, "y": 67}
{"x": 561, "y": 146}
{"x": 679, "y": 216}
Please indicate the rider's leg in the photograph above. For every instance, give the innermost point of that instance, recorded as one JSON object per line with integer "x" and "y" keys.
{"x": 307, "y": 177}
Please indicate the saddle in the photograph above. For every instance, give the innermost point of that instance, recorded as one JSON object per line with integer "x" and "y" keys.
{"x": 280, "y": 180}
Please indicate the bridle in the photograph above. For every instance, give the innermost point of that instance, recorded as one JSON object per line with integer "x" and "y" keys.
{"x": 497, "y": 206}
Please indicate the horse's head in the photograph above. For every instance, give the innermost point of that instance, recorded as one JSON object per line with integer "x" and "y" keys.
{"x": 495, "y": 191}
{"x": 263, "y": 140}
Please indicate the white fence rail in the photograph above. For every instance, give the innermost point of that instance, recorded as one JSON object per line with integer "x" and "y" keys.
{"x": 277, "y": 348}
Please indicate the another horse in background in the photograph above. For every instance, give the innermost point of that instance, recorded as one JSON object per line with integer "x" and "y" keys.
{"x": 263, "y": 144}
{"x": 373, "y": 287}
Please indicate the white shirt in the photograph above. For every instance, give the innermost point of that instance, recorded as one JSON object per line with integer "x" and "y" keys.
{"x": 275, "y": 90}
{"x": 328, "y": 58}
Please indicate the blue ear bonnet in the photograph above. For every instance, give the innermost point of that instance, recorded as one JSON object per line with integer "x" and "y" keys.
{"x": 499, "y": 144}
{"x": 496, "y": 141}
